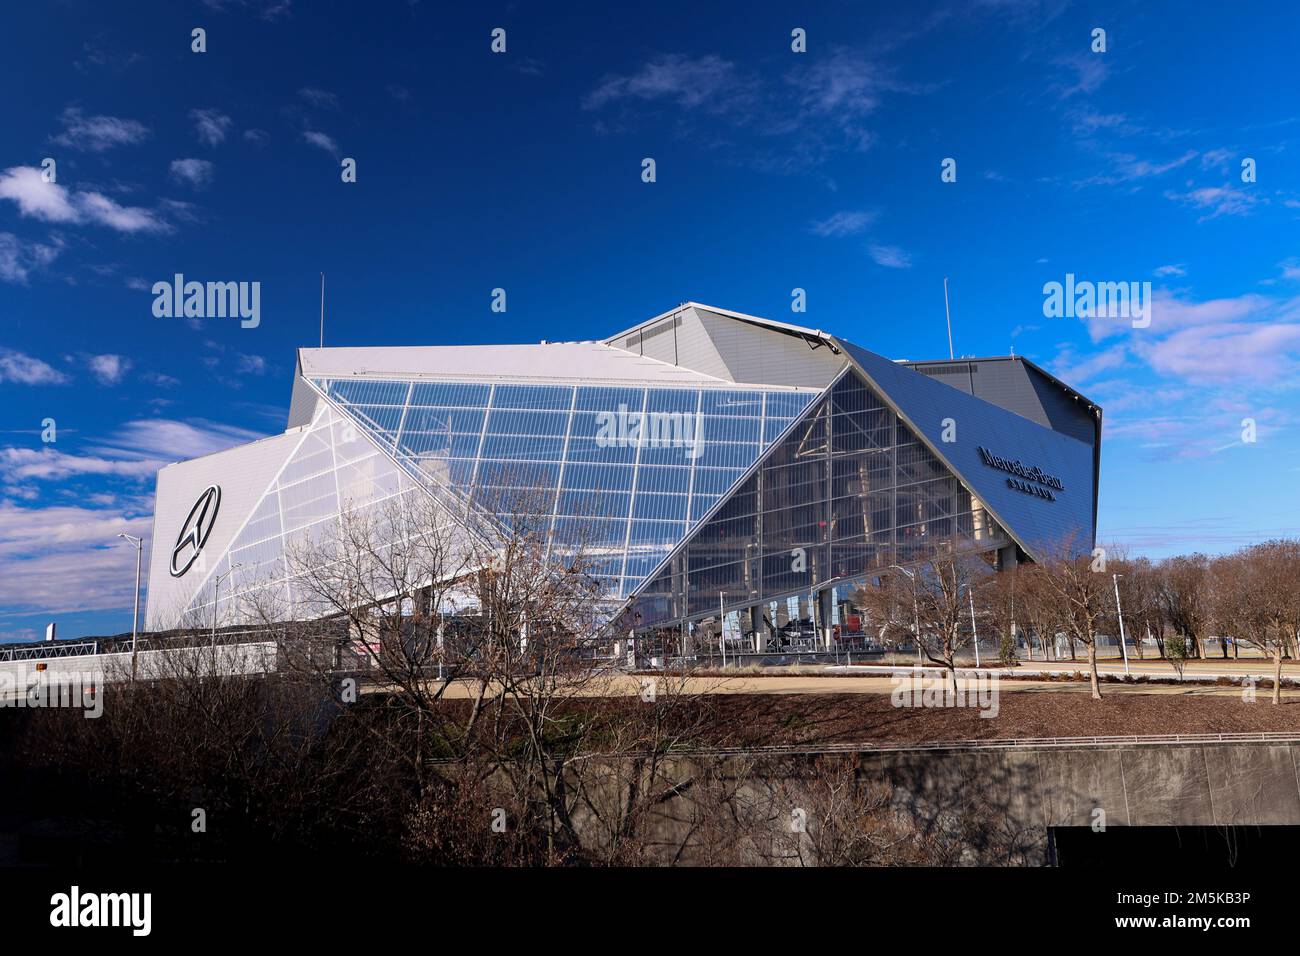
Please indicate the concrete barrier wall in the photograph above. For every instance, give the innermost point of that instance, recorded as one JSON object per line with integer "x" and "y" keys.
{"x": 1168, "y": 785}
{"x": 226, "y": 659}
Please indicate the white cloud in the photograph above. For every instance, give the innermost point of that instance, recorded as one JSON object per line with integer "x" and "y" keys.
{"x": 1249, "y": 339}
{"x": 251, "y": 364}
{"x": 891, "y": 257}
{"x": 1216, "y": 159}
{"x": 46, "y": 464}
{"x": 98, "y": 133}
{"x": 845, "y": 223}
{"x": 194, "y": 172}
{"x": 1089, "y": 72}
{"x": 108, "y": 369}
{"x": 1216, "y": 201}
{"x": 816, "y": 108}
{"x": 1258, "y": 352}
{"x": 172, "y": 440}
{"x": 211, "y": 126}
{"x": 269, "y": 10}
{"x": 1070, "y": 367}
{"x": 708, "y": 82}
{"x": 65, "y": 558}
{"x": 52, "y": 202}
{"x": 321, "y": 140}
{"x": 1171, "y": 270}
{"x": 18, "y": 259}
{"x": 134, "y": 453}
{"x": 36, "y": 198}
{"x": 318, "y": 97}
{"x": 23, "y": 369}
{"x": 131, "y": 219}
{"x": 1126, "y": 168}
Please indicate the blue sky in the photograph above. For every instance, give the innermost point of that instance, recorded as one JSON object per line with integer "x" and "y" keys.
{"x": 522, "y": 170}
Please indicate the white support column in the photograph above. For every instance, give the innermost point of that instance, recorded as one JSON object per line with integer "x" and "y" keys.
{"x": 825, "y": 619}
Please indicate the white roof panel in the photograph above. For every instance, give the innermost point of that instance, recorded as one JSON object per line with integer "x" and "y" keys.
{"x": 553, "y": 362}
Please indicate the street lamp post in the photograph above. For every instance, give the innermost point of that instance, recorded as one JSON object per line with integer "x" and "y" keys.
{"x": 722, "y": 632}
{"x": 975, "y": 637}
{"x": 1120, "y": 611}
{"x": 216, "y": 594}
{"x": 138, "y": 544}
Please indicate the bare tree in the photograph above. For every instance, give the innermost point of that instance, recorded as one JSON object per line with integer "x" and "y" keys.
{"x": 930, "y": 604}
{"x": 1184, "y": 595}
{"x": 1081, "y": 594}
{"x": 1255, "y": 596}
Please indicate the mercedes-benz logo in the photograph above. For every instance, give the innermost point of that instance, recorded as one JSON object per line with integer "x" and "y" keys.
{"x": 195, "y": 530}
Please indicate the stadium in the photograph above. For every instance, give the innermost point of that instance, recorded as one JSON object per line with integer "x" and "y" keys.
{"x": 721, "y": 468}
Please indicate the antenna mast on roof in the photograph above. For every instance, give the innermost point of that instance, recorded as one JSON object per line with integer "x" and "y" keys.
{"x": 322, "y": 311}
{"x": 948, "y": 316}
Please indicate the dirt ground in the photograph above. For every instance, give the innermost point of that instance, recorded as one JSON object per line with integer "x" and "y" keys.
{"x": 781, "y": 719}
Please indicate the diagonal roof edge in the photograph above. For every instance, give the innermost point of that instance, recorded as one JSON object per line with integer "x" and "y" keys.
{"x": 921, "y": 435}
{"x": 725, "y": 497}
{"x": 774, "y": 325}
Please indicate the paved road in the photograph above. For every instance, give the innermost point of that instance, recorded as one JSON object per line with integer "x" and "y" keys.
{"x": 634, "y": 684}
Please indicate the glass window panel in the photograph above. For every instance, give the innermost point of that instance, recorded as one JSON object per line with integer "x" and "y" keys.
{"x": 663, "y": 479}
{"x": 663, "y": 507}
{"x": 665, "y": 400}
{"x": 745, "y": 430}
{"x": 613, "y": 477}
{"x": 510, "y": 422}
{"x": 604, "y": 399}
{"x": 681, "y": 456}
{"x": 367, "y": 392}
{"x": 787, "y": 405}
{"x": 594, "y": 504}
{"x": 466, "y": 421}
{"x": 732, "y": 403}
{"x": 656, "y": 533}
{"x": 518, "y": 474}
{"x": 450, "y": 394}
{"x": 583, "y": 448}
{"x": 715, "y": 455}
{"x": 714, "y": 481}
{"x": 522, "y": 448}
{"x": 536, "y": 397}
{"x": 592, "y": 533}
{"x": 383, "y": 418}
{"x": 700, "y": 505}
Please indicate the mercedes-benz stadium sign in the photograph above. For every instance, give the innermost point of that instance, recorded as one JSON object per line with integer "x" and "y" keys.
{"x": 1023, "y": 475}
{"x": 195, "y": 531}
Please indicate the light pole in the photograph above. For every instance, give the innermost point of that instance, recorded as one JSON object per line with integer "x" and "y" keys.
{"x": 1120, "y": 611}
{"x": 216, "y": 593}
{"x": 975, "y": 637}
{"x": 916, "y": 614}
{"x": 722, "y": 632}
{"x": 138, "y": 544}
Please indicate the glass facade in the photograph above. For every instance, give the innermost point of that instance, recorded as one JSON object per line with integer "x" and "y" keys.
{"x": 629, "y": 471}
{"x": 849, "y": 491}
{"x": 333, "y": 470}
